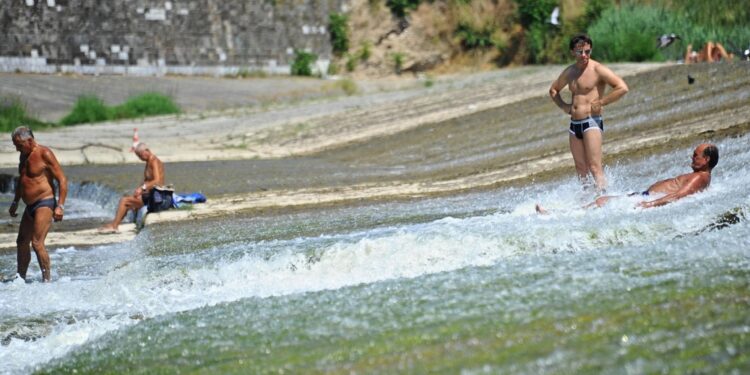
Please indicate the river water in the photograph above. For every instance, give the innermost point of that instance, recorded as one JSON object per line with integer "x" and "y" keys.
{"x": 474, "y": 283}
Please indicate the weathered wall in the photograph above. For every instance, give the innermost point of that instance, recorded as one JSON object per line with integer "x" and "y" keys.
{"x": 157, "y": 36}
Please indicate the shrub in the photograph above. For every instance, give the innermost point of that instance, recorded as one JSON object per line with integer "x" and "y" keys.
{"x": 148, "y": 104}
{"x": 348, "y": 86}
{"x": 534, "y": 15}
{"x": 629, "y": 33}
{"x": 88, "y": 108}
{"x": 333, "y": 68}
{"x": 471, "y": 38}
{"x": 351, "y": 63}
{"x": 398, "y": 61}
{"x": 712, "y": 14}
{"x": 13, "y": 114}
{"x": 593, "y": 11}
{"x": 337, "y": 26}
{"x": 401, "y": 7}
{"x": 481, "y": 24}
{"x": 364, "y": 52}
{"x": 535, "y": 11}
{"x": 536, "y": 41}
{"x": 302, "y": 63}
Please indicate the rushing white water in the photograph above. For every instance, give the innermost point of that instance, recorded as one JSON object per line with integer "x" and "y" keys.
{"x": 84, "y": 201}
{"x": 110, "y": 287}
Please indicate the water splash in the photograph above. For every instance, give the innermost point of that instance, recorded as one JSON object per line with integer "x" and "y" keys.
{"x": 111, "y": 287}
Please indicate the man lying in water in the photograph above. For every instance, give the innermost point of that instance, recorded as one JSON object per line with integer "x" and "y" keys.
{"x": 705, "y": 157}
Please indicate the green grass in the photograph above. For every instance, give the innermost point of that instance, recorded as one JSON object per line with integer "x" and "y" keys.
{"x": 627, "y": 30}
{"x": 628, "y": 33}
{"x": 148, "y": 104}
{"x": 338, "y": 27}
{"x": 13, "y": 114}
{"x": 88, "y": 109}
{"x": 714, "y": 13}
{"x": 302, "y": 65}
{"x": 348, "y": 86}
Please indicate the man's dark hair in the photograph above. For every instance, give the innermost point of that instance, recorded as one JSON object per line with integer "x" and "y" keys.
{"x": 712, "y": 153}
{"x": 578, "y": 38}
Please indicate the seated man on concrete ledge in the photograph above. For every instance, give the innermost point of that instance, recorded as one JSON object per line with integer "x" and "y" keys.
{"x": 705, "y": 157}
{"x": 153, "y": 176}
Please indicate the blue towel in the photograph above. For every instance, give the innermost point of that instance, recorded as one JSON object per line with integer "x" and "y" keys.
{"x": 189, "y": 198}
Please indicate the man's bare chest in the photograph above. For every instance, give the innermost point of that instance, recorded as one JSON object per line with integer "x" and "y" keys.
{"x": 584, "y": 83}
{"x": 32, "y": 167}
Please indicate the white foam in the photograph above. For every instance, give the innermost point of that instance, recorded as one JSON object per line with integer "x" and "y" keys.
{"x": 104, "y": 288}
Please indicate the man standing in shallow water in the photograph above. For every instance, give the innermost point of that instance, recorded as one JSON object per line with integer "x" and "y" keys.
{"x": 37, "y": 167}
{"x": 587, "y": 79}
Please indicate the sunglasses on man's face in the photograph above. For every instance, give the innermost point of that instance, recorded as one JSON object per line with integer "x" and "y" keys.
{"x": 581, "y": 52}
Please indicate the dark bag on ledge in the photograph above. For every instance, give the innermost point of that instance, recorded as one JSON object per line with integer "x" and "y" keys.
{"x": 160, "y": 198}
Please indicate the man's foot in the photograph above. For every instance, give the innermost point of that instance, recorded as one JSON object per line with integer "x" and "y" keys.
{"x": 540, "y": 210}
{"x": 9, "y": 279}
{"x": 107, "y": 229}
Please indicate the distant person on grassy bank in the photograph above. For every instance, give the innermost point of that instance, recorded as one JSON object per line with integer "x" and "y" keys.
{"x": 709, "y": 53}
{"x": 153, "y": 177}
{"x": 38, "y": 169}
{"x": 704, "y": 159}
{"x": 587, "y": 80}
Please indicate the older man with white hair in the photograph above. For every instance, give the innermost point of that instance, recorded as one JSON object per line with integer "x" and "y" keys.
{"x": 153, "y": 176}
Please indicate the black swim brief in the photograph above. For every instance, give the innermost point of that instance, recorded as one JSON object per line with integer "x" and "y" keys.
{"x": 31, "y": 209}
{"x": 642, "y": 193}
{"x": 578, "y": 127}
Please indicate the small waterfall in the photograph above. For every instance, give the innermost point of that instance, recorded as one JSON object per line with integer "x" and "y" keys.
{"x": 85, "y": 199}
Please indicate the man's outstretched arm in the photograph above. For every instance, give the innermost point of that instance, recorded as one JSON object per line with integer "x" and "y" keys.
{"x": 694, "y": 185}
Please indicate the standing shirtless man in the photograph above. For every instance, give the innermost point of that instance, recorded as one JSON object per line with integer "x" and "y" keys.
{"x": 587, "y": 79}
{"x": 37, "y": 167}
{"x": 153, "y": 176}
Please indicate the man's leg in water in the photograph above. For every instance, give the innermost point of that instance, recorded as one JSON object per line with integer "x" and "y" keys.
{"x": 599, "y": 202}
{"x": 42, "y": 223}
{"x": 579, "y": 157}
{"x": 23, "y": 244}
{"x": 126, "y": 204}
{"x": 592, "y": 144}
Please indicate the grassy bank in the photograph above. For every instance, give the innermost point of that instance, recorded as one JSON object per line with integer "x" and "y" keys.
{"x": 88, "y": 109}
{"x": 626, "y": 31}
{"x": 520, "y": 32}
{"x": 13, "y": 113}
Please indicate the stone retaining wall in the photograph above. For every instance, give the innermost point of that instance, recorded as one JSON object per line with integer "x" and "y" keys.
{"x": 158, "y": 37}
